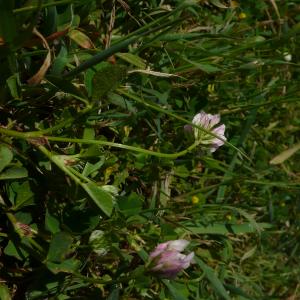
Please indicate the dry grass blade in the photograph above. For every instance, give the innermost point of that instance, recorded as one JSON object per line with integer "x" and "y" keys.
{"x": 38, "y": 77}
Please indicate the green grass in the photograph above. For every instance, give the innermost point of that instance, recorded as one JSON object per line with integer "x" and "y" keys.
{"x": 97, "y": 145}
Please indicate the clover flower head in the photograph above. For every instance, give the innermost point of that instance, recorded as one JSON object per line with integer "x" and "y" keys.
{"x": 167, "y": 260}
{"x": 209, "y": 122}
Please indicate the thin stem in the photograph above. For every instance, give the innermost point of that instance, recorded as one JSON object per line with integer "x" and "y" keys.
{"x": 20, "y": 135}
{"x": 33, "y": 135}
{"x": 127, "y": 147}
{"x": 157, "y": 108}
{"x": 35, "y": 7}
{"x": 54, "y": 158}
{"x": 79, "y": 175}
{"x": 56, "y": 127}
{"x": 98, "y": 281}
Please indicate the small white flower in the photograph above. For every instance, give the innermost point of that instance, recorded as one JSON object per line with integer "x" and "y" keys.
{"x": 287, "y": 56}
{"x": 209, "y": 122}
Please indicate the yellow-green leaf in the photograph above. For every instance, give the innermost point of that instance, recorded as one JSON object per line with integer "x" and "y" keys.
{"x": 81, "y": 39}
{"x": 132, "y": 59}
{"x": 4, "y": 292}
{"x": 283, "y": 156}
{"x": 102, "y": 199}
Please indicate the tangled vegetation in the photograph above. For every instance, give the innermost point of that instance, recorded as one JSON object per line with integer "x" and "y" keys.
{"x": 131, "y": 130}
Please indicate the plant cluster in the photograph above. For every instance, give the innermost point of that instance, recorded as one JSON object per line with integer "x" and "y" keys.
{"x": 132, "y": 130}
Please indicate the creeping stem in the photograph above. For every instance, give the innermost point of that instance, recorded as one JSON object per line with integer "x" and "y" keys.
{"x": 38, "y": 134}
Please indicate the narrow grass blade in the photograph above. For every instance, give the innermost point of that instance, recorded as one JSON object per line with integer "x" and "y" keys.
{"x": 214, "y": 280}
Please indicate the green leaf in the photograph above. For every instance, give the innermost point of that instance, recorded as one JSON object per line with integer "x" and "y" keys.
{"x": 13, "y": 85}
{"x": 107, "y": 79}
{"x": 64, "y": 85}
{"x": 114, "y": 295}
{"x": 14, "y": 173}
{"x": 176, "y": 293}
{"x": 49, "y": 25}
{"x": 13, "y": 250}
{"x": 205, "y": 67}
{"x": 24, "y": 195}
{"x": 88, "y": 133}
{"x": 131, "y": 205}
{"x": 121, "y": 102}
{"x": 65, "y": 18}
{"x": 60, "y": 62}
{"x": 237, "y": 291}
{"x": 67, "y": 266}
{"x": 218, "y": 4}
{"x": 249, "y": 253}
{"x": 8, "y": 24}
{"x": 6, "y": 157}
{"x": 51, "y": 223}
{"x": 102, "y": 199}
{"x": 99, "y": 242}
{"x": 132, "y": 59}
{"x": 4, "y": 292}
{"x": 89, "y": 219}
{"x": 91, "y": 168}
{"x": 60, "y": 247}
{"x": 181, "y": 171}
{"x": 214, "y": 280}
{"x": 81, "y": 39}
{"x": 224, "y": 229}
{"x": 283, "y": 156}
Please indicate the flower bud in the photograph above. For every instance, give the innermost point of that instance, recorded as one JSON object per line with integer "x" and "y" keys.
{"x": 287, "y": 56}
{"x": 167, "y": 261}
{"x": 24, "y": 229}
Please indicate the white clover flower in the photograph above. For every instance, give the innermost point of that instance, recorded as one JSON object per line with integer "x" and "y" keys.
{"x": 209, "y": 122}
{"x": 287, "y": 56}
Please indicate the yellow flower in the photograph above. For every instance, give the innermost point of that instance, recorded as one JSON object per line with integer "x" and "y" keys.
{"x": 229, "y": 217}
{"x": 211, "y": 88}
{"x": 242, "y": 16}
{"x": 195, "y": 200}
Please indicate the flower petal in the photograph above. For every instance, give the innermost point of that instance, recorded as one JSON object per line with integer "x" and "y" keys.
{"x": 206, "y": 120}
{"x": 220, "y": 130}
{"x": 187, "y": 260}
{"x": 167, "y": 261}
{"x": 214, "y": 120}
{"x": 178, "y": 245}
{"x": 199, "y": 118}
{"x": 159, "y": 249}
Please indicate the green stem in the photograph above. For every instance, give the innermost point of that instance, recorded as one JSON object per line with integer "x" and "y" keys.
{"x": 35, "y": 7}
{"x": 79, "y": 175}
{"x": 157, "y": 108}
{"x": 56, "y": 127}
{"x": 98, "y": 281}
{"x": 127, "y": 147}
{"x": 55, "y": 159}
{"x": 33, "y": 135}
{"x": 20, "y": 135}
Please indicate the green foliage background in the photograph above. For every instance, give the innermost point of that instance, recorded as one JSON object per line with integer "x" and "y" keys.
{"x": 95, "y": 166}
